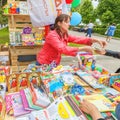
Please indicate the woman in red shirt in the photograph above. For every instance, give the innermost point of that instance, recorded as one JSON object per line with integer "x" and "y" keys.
{"x": 56, "y": 42}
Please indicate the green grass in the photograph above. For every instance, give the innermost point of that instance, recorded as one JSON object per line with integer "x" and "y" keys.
{"x": 4, "y": 36}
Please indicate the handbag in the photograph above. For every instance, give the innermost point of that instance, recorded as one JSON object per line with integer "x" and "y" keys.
{"x": 106, "y": 32}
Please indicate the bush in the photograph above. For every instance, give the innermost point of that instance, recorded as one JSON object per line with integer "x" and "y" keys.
{"x": 102, "y": 28}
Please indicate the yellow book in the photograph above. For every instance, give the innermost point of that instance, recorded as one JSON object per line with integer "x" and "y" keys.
{"x": 101, "y": 102}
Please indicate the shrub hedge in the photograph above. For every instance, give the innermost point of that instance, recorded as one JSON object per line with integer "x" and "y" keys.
{"x": 101, "y": 30}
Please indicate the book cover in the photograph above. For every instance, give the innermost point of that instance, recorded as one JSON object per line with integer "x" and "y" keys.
{"x": 14, "y": 103}
{"x": 75, "y": 106}
{"x": 39, "y": 115}
{"x": 2, "y": 108}
{"x": 12, "y": 82}
{"x": 29, "y": 99}
{"x": 22, "y": 81}
{"x": 60, "y": 109}
{"x": 89, "y": 79}
{"x": 34, "y": 78}
{"x": 101, "y": 102}
{"x": 2, "y": 90}
{"x": 24, "y": 100}
{"x": 39, "y": 98}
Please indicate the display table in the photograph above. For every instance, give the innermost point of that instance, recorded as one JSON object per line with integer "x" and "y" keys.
{"x": 80, "y": 82}
{"x": 17, "y": 51}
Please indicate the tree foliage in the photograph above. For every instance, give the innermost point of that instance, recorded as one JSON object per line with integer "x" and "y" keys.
{"x": 109, "y": 11}
{"x": 86, "y": 10}
{"x": 107, "y": 17}
{"x": 3, "y": 19}
{"x": 2, "y": 2}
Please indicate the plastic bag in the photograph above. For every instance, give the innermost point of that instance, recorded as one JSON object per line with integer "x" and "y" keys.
{"x": 106, "y": 32}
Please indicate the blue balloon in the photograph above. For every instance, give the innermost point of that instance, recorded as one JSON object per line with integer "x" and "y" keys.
{"x": 75, "y": 19}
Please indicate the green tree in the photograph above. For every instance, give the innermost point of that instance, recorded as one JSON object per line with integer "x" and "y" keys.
{"x": 3, "y": 19}
{"x": 2, "y": 2}
{"x": 110, "y": 8}
{"x": 107, "y": 17}
{"x": 87, "y": 11}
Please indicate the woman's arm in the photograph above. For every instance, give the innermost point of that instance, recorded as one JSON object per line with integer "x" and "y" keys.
{"x": 79, "y": 40}
{"x": 86, "y": 41}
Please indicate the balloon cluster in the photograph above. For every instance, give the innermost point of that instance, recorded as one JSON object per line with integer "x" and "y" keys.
{"x": 75, "y": 17}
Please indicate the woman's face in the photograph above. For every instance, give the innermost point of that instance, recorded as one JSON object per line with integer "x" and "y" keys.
{"x": 64, "y": 25}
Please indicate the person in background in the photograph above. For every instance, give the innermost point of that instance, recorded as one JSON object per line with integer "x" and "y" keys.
{"x": 89, "y": 29}
{"x": 110, "y": 32}
{"x": 56, "y": 43}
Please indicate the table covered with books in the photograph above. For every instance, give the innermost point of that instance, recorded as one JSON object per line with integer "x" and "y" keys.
{"x": 54, "y": 92}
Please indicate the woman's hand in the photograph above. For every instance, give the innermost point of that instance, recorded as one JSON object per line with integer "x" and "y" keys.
{"x": 90, "y": 109}
{"x": 100, "y": 42}
{"x": 101, "y": 52}
{"x": 88, "y": 49}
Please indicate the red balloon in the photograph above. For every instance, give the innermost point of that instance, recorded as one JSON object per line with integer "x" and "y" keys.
{"x": 69, "y": 1}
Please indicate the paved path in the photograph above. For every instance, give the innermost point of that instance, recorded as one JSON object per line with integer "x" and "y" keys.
{"x": 108, "y": 62}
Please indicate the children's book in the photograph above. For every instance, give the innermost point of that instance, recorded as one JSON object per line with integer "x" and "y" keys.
{"x": 75, "y": 106}
{"x": 24, "y": 100}
{"x": 89, "y": 79}
{"x": 39, "y": 115}
{"x": 2, "y": 108}
{"x": 60, "y": 109}
{"x": 2, "y": 90}
{"x": 34, "y": 78}
{"x": 101, "y": 102}
{"x": 12, "y": 82}
{"x": 22, "y": 81}
{"x": 67, "y": 78}
{"x": 39, "y": 97}
{"x": 14, "y": 104}
{"x": 29, "y": 99}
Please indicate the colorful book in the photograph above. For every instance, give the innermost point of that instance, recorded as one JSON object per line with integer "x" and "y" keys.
{"x": 14, "y": 104}
{"x": 2, "y": 90}
{"x": 29, "y": 99}
{"x": 24, "y": 100}
{"x": 60, "y": 109}
{"x": 75, "y": 106}
{"x": 39, "y": 115}
{"x": 22, "y": 79}
{"x": 12, "y": 82}
{"x": 2, "y": 108}
{"x": 39, "y": 98}
{"x": 89, "y": 79}
{"x": 101, "y": 102}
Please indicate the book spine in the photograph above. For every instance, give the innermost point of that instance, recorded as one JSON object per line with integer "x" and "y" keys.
{"x": 24, "y": 100}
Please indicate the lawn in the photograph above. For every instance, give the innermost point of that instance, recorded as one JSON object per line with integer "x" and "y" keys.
{"x": 4, "y": 36}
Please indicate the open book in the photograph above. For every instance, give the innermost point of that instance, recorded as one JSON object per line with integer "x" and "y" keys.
{"x": 100, "y": 101}
{"x": 63, "y": 108}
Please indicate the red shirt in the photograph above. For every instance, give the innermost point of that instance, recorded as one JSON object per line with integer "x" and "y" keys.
{"x": 54, "y": 46}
